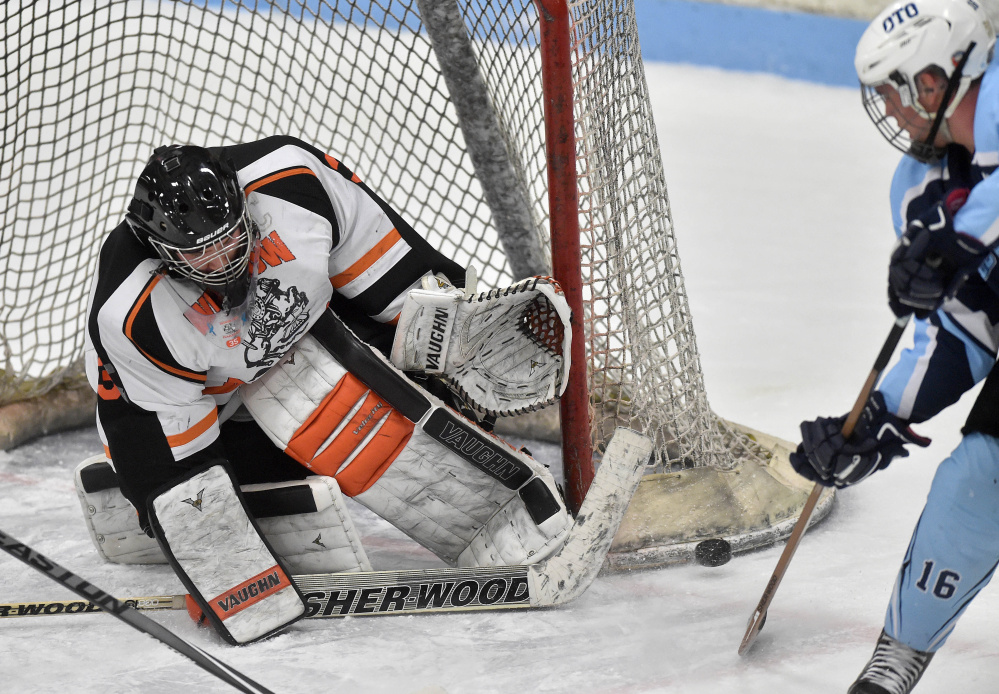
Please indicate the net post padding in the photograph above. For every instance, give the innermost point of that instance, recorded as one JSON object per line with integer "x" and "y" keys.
{"x": 484, "y": 138}
{"x": 749, "y": 504}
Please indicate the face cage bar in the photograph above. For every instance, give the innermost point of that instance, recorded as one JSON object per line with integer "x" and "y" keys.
{"x": 874, "y": 104}
{"x": 178, "y": 264}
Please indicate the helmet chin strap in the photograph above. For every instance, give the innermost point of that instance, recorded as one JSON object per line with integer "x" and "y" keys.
{"x": 926, "y": 151}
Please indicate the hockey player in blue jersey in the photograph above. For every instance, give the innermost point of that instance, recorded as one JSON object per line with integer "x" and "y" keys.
{"x": 930, "y": 86}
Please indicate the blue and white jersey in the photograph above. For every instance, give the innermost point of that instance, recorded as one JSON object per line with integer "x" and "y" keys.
{"x": 957, "y": 345}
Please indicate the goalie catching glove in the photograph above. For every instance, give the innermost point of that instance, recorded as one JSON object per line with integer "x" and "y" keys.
{"x": 824, "y": 456}
{"x": 505, "y": 351}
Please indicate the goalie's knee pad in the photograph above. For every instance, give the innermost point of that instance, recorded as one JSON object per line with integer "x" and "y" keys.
{"x": 321, "y": 415}
{"x": 305, "y": 521}
{"x": 505, "y": 351}
{"x": 215, "y": 548}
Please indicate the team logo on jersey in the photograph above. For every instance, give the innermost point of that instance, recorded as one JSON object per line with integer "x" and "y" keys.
{"x": 277, "y": 319}
{"x": 271, "y": 252}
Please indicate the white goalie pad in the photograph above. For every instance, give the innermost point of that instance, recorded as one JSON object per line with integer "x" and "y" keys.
{"x": 221, "y": 557}
{"x": 308, "y": 526}
{"x": 463, "y": 515}
{"x": 506, "y": 351}
{"x": 306, "y": 522}
{"x": 111, "y": 519}
{"x": 465, "y": 495}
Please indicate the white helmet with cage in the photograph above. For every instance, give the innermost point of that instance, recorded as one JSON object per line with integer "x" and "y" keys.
{"x": 908, "y": 38}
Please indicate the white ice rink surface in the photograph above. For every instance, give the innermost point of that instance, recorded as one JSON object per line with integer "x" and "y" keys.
{"x": 779, "y": 195}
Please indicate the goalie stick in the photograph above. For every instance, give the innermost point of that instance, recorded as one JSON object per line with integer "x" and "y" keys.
{"x": 759, "y": 616}
{"x": 561, "y": 578}
{"x": 124, "y": 612}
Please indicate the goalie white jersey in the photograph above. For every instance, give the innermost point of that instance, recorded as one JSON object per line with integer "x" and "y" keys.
{"x": 165, "y": 358}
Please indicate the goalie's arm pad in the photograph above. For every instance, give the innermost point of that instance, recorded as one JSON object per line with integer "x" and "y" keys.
{"x": 505, "y": 351}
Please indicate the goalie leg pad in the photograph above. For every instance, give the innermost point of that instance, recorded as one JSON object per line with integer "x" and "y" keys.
{"x": 325, "y": 418}
{"x": 446, "y": 479}
{"x": 217, "y": 551}
{"x": 112, "y": 521}
{"x": 505, "y": 351}
{"x": 306, "y": 522}
{"x": 465, "y": 515}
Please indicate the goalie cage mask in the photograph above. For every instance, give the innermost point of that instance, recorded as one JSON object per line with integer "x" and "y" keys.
{"x": 952, "y": 38}
{"x": 189, "y": 208}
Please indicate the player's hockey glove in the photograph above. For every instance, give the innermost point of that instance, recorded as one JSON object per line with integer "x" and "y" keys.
{"x": 824, "y": 456}
{"x": 931, "y": 260}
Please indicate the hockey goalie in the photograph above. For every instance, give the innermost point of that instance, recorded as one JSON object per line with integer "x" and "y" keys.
{"x": 266, "y": 335}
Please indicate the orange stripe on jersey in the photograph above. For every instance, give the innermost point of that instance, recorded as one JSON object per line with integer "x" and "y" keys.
{"x": 250, "y": 592}
{"x": 367, "y": 260}
{"x": 299, "y": 171}
{"x": 227, "y": 387}
{"x": 130, "y": 321}
{"x": 195, "y": 431}
{"x": 334, "y": 164}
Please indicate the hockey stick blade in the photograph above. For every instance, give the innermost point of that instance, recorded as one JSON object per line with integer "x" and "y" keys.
{"x": 129, "y": 615}
{"x": 759, "y": 616}
{"x": 558, "y": 580}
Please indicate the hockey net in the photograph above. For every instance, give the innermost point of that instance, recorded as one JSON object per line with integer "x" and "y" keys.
{"x": 93, "y": 87}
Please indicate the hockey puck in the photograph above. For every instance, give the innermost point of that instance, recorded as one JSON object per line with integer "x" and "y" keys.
{"x": 713, "y": 552}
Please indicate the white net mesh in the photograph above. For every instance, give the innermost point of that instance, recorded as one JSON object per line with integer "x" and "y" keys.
{"x": 93, "y": 87}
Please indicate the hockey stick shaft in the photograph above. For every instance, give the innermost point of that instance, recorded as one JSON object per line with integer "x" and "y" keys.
{"x": 759, "y": 615}
{"x": 129, "y": 615}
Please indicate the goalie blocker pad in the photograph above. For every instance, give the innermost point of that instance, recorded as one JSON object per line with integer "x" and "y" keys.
{"x": 219, "y": 555}
{"x": 505, "y": 351}
{"x": 305, "y": 521}
{"x": 467, "y": 496}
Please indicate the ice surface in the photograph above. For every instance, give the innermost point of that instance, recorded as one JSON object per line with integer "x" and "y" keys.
{"x": 779, "y": 195}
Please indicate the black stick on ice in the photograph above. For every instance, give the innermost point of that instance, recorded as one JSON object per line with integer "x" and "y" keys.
{"x": 130, "y": 616}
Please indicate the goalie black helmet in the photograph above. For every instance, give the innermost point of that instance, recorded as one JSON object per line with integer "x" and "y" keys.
{"x": 189, "y": 208}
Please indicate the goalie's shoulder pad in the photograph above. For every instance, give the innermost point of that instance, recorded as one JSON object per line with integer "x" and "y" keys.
{"x": 506, "y": 351}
